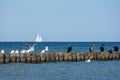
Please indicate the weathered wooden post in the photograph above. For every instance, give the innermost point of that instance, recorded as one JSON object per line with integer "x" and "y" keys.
{"x": 110, "y": 57}
{"x": 2, "y": 58}
{"x": 86, "y": 56}
{"x": 42, "y": 57}
{"x": 106, "y": 54}
{"x": 57, "y": 57}
{"x": 70, "y": 58}
{"x": 92, "y": 56}
{"x": 52, "y": 57}
{"x": 102, "y": 56}
{"x": 66, "y": 56}
{"x": 23, "y": 57}
{"x": 82, "y": 56}
{"x": 98, "y": 56}
{"x": 78, "y": 56}
{"x": 117, "y": 56}
{"x": 34, "y": 58}
{"x": 28, "y": 58}
{"x": 114, "y": 56}
{"x": 7, "y": 58}
{"x": 74, "y": 57}
{"x": 47, "y": 57}
{"x": 38, "y": 58}
{"x": 17, "y": 57}
{"x": 61, "y": 56}
{"x": 13, "y": 57}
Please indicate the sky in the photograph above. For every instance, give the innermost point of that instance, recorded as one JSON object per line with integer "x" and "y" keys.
{"x": 60, "y": 20}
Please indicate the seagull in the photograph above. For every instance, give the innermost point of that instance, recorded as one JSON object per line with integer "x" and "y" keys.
{"x": 17, "y": 52}
{"x": 46, "y": 48}
{"x": 12, "y": 52}
{"x": 43, "y": 51}
{"x": 31, "y": 49}
{"x": 2, "y": 51}
{"x": 23, "y": 51}
{"x": 88, "y": 60}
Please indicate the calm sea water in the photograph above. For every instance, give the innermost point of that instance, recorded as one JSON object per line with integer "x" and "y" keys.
{"x": 95, "y": 70}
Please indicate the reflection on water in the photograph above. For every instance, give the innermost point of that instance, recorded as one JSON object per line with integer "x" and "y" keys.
{"x": 96, "y": 70}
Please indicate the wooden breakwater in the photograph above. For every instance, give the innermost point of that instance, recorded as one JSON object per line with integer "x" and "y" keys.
{"x": 57, "y": 57}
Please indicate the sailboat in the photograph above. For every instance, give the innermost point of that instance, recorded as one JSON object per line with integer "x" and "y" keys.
{"x": 38, "y": 38}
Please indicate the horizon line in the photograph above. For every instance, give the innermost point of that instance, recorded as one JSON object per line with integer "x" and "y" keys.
{"x": 61, "y": 41}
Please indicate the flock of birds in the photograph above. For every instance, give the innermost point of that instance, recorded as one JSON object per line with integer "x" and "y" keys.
{"x": 31, "y": 49}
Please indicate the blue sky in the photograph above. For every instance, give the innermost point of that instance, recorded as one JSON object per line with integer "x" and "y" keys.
{"x": 60, "y": 20}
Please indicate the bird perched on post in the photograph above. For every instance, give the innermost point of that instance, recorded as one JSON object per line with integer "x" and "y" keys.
{"x": 91, "y": 48}
{"x": 2, "y": 51}
{"x": 69, "y": 49}
{"x": 45, "y": 50}
{"x": 102, "y": 48}
{"x": 116, "y": 48}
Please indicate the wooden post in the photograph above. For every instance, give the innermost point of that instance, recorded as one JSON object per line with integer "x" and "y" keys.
{"x": 42, "y": 57}
{"x": 2, "y": 58}
{"x": 57, "y": 58}
{"x": 110, "y": 57}
{"x": 23, "y": 57}
{"x": 34, "y": 58}
{"x": 52, "y": 57}
{"x": 66, "y": 56}
{"x": 74, "y": 57}
{"x": 13, "y": 57}
{"x": 38, "y": 58}
{"x": 28, "y": 58}
{"x": 47, "y": 57}
{"x": 7, "y": 58}
{"x": 82, "y": 56}
{"x": 117, "y": 56}
{"x": 86, "y": 56}
{"x": 17, "y": 57}
{"x": 61, "y": 56}
{"x": 78, "y": 56}
{"x": 70, "y": 58}
{"x": 98, "y": 56}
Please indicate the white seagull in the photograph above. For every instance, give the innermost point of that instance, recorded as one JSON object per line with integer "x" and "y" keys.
{"x": 2, "y": 51}
{"x": 31, "y": 49}
{"x": 45, "y": 50}
{"x": 17, "y": 52}
{"x": 12, "y": 52}
{"x": 88, "y": 60}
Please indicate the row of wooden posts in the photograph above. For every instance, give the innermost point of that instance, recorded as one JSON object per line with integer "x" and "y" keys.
{"x": 57, "y": 57}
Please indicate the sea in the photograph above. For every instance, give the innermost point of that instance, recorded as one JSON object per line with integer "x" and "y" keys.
{"x": 95, "y": 70}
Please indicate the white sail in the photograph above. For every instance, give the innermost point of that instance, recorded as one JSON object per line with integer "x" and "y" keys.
{"x": 38, "y": 38}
